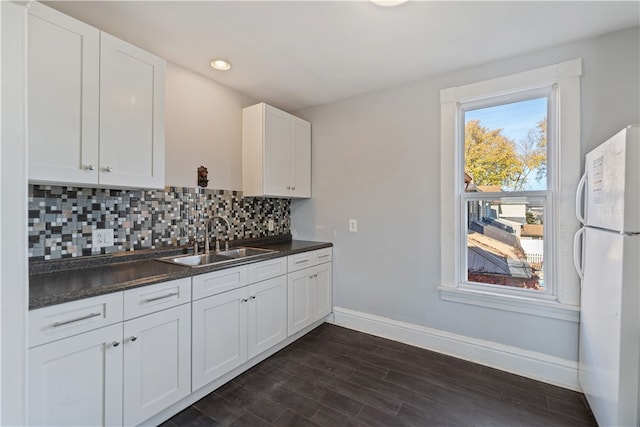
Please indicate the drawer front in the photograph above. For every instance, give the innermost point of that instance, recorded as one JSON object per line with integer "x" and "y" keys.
{"x": 309, "y": 259}
{"x": 300, "y": 261}
{"x": 323, "y": 255}
{"x": 266, "y": 270}
{"x": 72, "y": 318}
{"x": 216, "y": 282}
{"x": 152, "y": 298}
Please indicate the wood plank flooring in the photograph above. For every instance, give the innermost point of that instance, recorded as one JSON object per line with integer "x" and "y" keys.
{"x": 337, "y": 377}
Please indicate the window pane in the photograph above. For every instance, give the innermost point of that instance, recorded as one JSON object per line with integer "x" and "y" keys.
{"x": 505, "y": 147}
{"x": 505, "y": 240}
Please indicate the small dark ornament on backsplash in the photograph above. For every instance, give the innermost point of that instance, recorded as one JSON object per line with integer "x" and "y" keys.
{"x": 202, "y": 176}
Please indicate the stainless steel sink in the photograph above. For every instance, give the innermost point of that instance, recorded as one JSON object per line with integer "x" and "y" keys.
{"x": 197, "y": 260}
{"x": 221, "y": 257}
{"x": 244, "y": 252}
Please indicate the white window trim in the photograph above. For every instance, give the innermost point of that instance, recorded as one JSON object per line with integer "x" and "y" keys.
{"x": 565, "y": 302}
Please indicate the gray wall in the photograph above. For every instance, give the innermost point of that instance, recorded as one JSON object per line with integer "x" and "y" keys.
{"x": 376, "y": 159}
{"x": 203, "y": 127}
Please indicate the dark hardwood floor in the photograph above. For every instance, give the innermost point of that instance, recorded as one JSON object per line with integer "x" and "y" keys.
{"x": 337, "y": 377}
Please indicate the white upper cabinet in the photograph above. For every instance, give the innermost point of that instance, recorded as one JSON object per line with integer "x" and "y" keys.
{"x": 63, "y": 93}
{"x": 131, "y": 115}
{"x": 276, "y": 153}
{"x": 96, "y": 106}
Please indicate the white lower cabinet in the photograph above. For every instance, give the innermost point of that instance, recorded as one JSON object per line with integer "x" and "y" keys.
{"x": 218, "y": 331}
{"x": 77, "y": 381}
{"x": 267, "y": 315}
{"x": 83, "y": 373}
{"x": 157, "y": 362}
{"x": 232, "y": 327}
{"x": 309, "y": 290}
{"x": 123, "y": 358}
{"x": 300, "y": 303}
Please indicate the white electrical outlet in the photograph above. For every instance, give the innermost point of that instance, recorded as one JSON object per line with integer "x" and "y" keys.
{"x": 353, "y": 225}
{"x": 101, "y": 237}
{"x": 270, "y": 225}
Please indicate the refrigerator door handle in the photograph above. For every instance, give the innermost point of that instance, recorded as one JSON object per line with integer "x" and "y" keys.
{"x": 580, "y": 198}
{"x": 577, "y": 254}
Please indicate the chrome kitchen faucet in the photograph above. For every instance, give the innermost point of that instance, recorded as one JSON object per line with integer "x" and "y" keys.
{"x": 206, "y": 234}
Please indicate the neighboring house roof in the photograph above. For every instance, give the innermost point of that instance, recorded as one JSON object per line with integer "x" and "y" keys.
{"x": 469, "y": 185}
{"x": 532, "y": 230}
{"x": 487, "y": 255}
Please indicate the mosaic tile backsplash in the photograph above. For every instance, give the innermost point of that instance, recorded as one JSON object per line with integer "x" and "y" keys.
{"x": 61, "y": 218}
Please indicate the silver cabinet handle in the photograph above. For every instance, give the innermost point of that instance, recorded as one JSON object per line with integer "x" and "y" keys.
{"x": 293, "y": 188}
{"x": 66, "y": 322}
{"x": 90, "y": 168}
{"x": 323, "y": 256}
{"x": 172, "y": 294}
{"x": 302, "y": 261}
{"x": 288, "y": 187}
{"x": 108, "y": 169}
{"x": 133, "y": 338}
{"x": 115, "y": 343}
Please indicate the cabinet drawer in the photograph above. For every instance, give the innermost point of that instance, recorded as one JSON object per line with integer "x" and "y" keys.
{"x": 216, "y": 282}
{"x": 152, "y": 298}
{"x": 323, "y": 255}
{"x": 299, "y": 261}
{"x": 309, "y": 259}
{"x": 72, "y": 318}
{"x": 266, "y": 270}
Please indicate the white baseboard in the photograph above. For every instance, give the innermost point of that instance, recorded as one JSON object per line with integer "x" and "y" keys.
{"x": 530, "y": 364}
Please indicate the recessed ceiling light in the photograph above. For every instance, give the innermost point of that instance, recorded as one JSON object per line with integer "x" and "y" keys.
{"x": 220, "y": 64}
{"x": 388, "y": 3}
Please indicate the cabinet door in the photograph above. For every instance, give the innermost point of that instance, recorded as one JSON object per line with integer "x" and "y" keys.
{"x": 63, "y": 80}
{"x": 267, "y": 315}
{"x": 300, "y": 303}
{"x": 77, "y": 381}
{"x": 277, "y": 161}
{"x": 131, "y": 115}
{"x": 157, "y": 362}
{"x": 323, "y": 291}
{"x": 300, "y": 158}
{"x": 219, "y": 335}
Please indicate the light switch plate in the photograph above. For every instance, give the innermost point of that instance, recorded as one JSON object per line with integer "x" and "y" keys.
{"x": 270, "y": 225}
{"x": 353, "y": 225}
{"x": 101, "y": 237}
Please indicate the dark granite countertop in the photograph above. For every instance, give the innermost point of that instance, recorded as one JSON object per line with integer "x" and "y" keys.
{"x": 60, "y": 281}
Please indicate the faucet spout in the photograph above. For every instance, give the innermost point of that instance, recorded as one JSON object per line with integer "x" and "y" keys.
{"x": 206, "y": 232}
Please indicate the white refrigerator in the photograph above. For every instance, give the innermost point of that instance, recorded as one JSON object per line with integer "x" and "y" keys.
{"x": 607, "y": 258}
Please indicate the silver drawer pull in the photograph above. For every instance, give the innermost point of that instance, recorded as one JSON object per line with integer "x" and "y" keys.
{"x": 323, "y": 256}
{"x": 172, "y": 294}
{"x": 302, "y": 261}
{"x": 66, "y": 322}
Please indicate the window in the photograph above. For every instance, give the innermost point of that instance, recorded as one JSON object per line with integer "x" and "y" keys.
{"x": 507, "y": 185}
{"x": 506, "y": 200}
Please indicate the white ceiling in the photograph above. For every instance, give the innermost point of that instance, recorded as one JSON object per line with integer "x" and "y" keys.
{"x": 296, "y": 54}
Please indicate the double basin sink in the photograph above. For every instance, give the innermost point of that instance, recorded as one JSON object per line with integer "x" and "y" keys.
{"x": 219, "y": 257}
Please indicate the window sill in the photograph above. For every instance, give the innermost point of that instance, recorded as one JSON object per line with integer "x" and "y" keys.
{"x": 515, "y": 303}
